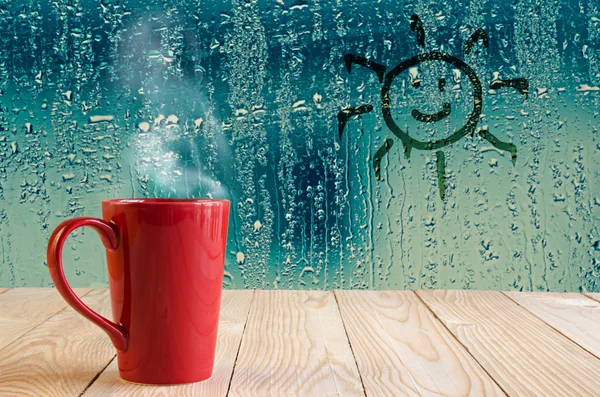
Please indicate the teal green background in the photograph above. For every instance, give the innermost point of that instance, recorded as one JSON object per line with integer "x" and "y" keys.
{"x": 239, "y": 100}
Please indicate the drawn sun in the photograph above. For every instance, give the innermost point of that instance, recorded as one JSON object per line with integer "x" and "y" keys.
{"x": 416, "y": 25}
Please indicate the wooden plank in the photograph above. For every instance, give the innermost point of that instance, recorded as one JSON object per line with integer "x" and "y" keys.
{"x": 524, "y": 355}
{"x": 295, "y": 345}
{"x": 21, "y": 309}
{"x": 573, "y": 315}
{"x": 2, "y": 290}
{"x": 594, "y": 295}
{"x": 235, "y": 306}
{"x": 402, "y": 350}
{"x": 60, "y": 357}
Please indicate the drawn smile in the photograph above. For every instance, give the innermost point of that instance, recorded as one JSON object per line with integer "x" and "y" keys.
{"x": 432, "y": 118}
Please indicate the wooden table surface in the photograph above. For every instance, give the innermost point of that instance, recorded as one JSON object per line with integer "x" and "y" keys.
{"x": 315, "y": 343}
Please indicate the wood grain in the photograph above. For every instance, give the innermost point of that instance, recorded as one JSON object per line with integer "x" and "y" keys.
{"x": 402, "y": 350}
{"x": 524, "y": 355}
{"x": 295, "y": 345}
{"x": 594, "y": 295}
{"x": 235, "y": 306}
{"x": 60, "y": 357}
{"x": 573, "y": 315}
{"x": 21, "y": 309}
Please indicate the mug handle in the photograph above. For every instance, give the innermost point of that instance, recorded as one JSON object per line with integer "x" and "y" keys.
{"x": 110, "y": 238}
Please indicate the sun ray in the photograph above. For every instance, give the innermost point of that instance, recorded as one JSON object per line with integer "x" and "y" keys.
{"x": 382, "y": 151}
{"x": 520, "y": 84}
{"x": 349, "y": 59}
{"x": 416, "y": 25}
{"x": 345, "y": 115}
{"x": 441, "y": 173}
{"x": 497, "y": 143}
{"x": 479, "y": 34}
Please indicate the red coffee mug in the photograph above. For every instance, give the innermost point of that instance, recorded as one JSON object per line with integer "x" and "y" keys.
{"x": 165, "y": 270}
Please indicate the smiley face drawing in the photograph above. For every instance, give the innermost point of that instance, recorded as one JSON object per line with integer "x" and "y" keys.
{"x": 520, "y": 84}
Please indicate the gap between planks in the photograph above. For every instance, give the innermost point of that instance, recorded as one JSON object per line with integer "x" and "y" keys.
{"x": 573, "y": 315}
{"x": 98, "y": 375}
{"x": 337, "y": 302}
{"x": 237, "y": 353}
{"x": 593, "y": 295}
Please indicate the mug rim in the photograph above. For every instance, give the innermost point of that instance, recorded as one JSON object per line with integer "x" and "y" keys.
{"x": 163, "y": 201}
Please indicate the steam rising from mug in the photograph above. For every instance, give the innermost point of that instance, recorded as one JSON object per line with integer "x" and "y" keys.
{"x": 172, "y": 156}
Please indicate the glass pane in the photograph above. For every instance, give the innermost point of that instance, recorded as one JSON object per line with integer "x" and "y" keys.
{"x": 363, "y": 144}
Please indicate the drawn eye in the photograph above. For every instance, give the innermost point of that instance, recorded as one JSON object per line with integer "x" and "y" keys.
{"x": 416, "y": 83}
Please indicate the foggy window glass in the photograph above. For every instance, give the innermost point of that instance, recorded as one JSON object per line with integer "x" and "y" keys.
{"x": 363, "y": 144}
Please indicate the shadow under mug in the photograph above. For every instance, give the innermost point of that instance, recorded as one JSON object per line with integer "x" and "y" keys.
{"x": 165, "y": 269}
